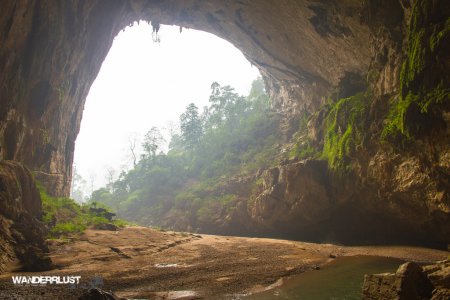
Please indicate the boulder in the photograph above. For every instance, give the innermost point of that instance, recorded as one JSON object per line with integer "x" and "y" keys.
{"x": 410, "y": 282}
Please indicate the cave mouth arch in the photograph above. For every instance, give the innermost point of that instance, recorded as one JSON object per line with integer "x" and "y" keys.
{"x": 144, "y": 83}
{"x": 52, "y": 52}
{"x": 55, "y": 51}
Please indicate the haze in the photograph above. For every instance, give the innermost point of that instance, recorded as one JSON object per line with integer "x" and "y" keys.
{"x": 143, "y": 84}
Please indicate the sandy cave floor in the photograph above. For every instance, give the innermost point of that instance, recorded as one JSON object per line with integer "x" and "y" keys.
{"x": 144, "y": 263}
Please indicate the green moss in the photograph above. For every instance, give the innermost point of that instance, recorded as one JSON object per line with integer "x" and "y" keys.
{"x": 303, "y": 151}
{"x": 421, "y": 86}
{"x": 396, "y": 118}
{"x": 439, "y": 36}
{"x": 302, "y": 148}
{"x": 225, "y": 199}
{"x": 344, "y": 129}
{"x": 438, "y": 95}
{"x": 425, "y": 39}
{"x": 397, "y": 127}
{"x": 415, "y": 62}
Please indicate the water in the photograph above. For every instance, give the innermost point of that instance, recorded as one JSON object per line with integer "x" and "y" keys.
{"x": 341, "y": 279}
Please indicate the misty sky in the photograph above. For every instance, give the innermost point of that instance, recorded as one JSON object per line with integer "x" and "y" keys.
{"x": 143, "y": 84}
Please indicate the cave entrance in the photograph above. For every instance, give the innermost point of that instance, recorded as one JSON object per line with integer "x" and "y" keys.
{"x": 147, "y": 80}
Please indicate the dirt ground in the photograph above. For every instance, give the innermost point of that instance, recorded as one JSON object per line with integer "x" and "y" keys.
{"x": 143, "y": 263}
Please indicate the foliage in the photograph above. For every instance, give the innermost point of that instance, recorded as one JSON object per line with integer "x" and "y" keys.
{"x": 423, "y": 85}
{"x": 302, "y": 151}
{"x": 344, "y": 130}
{"x": 233, "y": 135}
{"x": 152, "y": 142}
{"x": 191, "y": 127}
{"x": 64, "y": 216}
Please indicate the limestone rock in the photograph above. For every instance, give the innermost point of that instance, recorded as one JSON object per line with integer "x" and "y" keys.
{"x": 439, "y": 274}
{"x": 295, "y": 195}
{"x": 21, "y": 232}
{"x": 51, "y": 53}
{"x": 308, "y": 51}
{"x": 410, "y": 282}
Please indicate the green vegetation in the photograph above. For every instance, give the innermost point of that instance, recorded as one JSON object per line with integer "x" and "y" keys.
{"x": 234, "y": 135}
{"x": 63, "y": 216}
{"x": 344, "y": 129}
{"x": 394, "y": 128}
{"x": 303, "y": 151}
{"x": 423, "y": 82}
{"x": 302, "y": 148}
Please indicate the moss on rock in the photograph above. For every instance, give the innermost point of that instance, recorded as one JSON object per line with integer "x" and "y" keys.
{"x": 424, "y": 78}
{"x": 344, "y": 129}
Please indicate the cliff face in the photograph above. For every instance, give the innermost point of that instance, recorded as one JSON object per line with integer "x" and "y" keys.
{"x": 52, "y": 51}
{"x": 386, "y": 139}
{"x": 387, "y": 176}
{"x": 21, "y": 232}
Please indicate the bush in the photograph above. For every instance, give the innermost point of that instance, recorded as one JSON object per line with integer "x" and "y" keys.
{"x": 65, "y": 217}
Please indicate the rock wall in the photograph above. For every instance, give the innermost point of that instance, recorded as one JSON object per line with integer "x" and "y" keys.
{"x": 52, "y": 52}
{"x": 21, "y": 232}
{"x": 411, "y": 281}
{"x": 395, "y": 188}
{"x": 387, "y": 178}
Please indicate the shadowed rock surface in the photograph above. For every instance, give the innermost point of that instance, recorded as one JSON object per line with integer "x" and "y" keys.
{"x": 410, "y": 282}
{"x": 396, "y": 180}
{"x": 52, "y": 51}
{"x": 21, "y": 232}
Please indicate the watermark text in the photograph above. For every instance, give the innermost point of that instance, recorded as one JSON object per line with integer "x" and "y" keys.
{"x": 44, "y": 280}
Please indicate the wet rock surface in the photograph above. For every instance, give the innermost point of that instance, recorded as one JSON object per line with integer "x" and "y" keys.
{"x": 411, "y": 281}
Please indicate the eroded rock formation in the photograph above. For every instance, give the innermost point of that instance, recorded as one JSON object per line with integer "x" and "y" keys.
{"x": 52, "y": 51}
{"x": 411, "y": 281}
{"x": 396, "y": 181}
{"x": 21, "y": 232}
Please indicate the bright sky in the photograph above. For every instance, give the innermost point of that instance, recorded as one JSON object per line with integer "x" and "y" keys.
{"x": 143, "y": 84}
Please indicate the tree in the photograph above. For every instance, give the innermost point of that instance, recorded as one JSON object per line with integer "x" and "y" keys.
{"x": 132, "y": 144}
{"x": 176, "y": 143}
{"x": 191, "y": 127}
{"x": 78, "y": 186}
{"x": 92, "y": 178}
{"x": 258, "y": 95}
{"x": 225, "y": 105}
{"x": 110, "y": 177}
{"x": 153, "y": 141}
{"x": 234, "y": 135}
